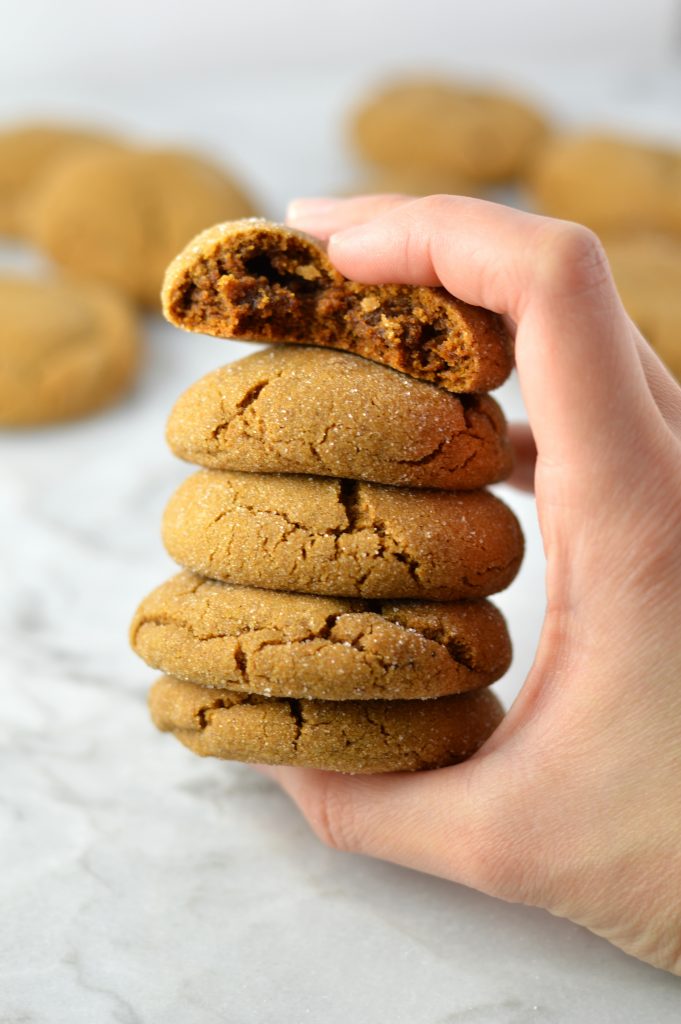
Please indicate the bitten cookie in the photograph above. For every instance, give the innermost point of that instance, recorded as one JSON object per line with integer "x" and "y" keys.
{"x": 647, "y": 271}
{"x": 299, "y": 645}
{"x": 120, "y": 217}
{"x": 311, "y": 410}
{"x": 258, "y": 281}
{"x": 27, "y": 152}
{"x": 66, "y": 349}
{"x": 352, "y": 736}
{"x": 325, "y": 536}
{"x": 610, "y": 184}
{"x": 439, "y": 125}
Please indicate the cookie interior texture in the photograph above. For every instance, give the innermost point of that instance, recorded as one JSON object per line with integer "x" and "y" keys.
{"x": 295, "y": 645}
{"x": 350, "y": 538}
{"x": 312, "y": 410}
{"x": 67, "y": 349}
{"x": 258, "y": 281}
{"x": 353, "y": 736}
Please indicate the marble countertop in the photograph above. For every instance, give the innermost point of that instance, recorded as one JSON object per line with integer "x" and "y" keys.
{"x": 140, "y": 884}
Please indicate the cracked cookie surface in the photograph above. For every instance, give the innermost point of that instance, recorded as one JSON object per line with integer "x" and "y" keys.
{"x": 311, "y": 410}
{"x": 297, "y": 645}
{"x": 68, "y": 349}
{"x": 350, "y": 736}
{"x": 257, "y": 281}
{"x": 327, "y": 536}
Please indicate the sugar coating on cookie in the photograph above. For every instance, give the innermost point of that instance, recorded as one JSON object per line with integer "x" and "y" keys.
{"x": 27, "y": 152}
{"x": 120, "y": 217}
{"x": 435, "y": 125}
{"x": 296, "y": 645}
{"x": 67, "y": 349}
{"x": 327, "y": 536}
{"x": 609, "y": 183}
{"x": 312, "y": 410}
{"x": 257, "y": 281}
{"x": 352, "y": 736}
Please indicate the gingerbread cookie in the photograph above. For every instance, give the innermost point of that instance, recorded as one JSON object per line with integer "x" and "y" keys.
{"x": 349, "y": 736}
{"x": 647, "y": 271}
{"x": 258, "y": 281}
{"x": 27, "y": 153}
{"x": 311, "y": 410}
{"x": 432, "y": 125}
{"x": 299, "y": 645}
{"x": 609, "y": 184}
{"x": 120, "y": 217}
{"x": 326, "y": 536}
{"x": 66, "y": 349}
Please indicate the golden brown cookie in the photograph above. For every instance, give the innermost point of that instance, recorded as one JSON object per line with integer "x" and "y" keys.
{"x": 66, "y": 349}
{"x": 27, "y": 152}
{"x": 609, "y": 184}
{"x": 414, "y": 181}
{"x": 436, "y": 125}
{"x": 325, "y": 536}
{"x": 312, "y": 410}
{"x": 647, "y": 271}
{"x": 349, "y": 736}
{"x": 257, "y": 281}
{"x": 300, "y": 645}
{"x": 120, "y": 217}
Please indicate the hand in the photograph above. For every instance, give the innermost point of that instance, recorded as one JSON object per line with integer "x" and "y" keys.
{"x": 574, "y": 804}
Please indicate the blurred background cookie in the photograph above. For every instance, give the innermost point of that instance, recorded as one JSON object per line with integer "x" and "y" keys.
{"x": 609, "y": 183}
{"x": 647, "y": 271}
{"x": 433, "y": 126}
{"x": 120, "y": 217}
{"x": 27, "y": 152}
{"x": 66, "y": 349}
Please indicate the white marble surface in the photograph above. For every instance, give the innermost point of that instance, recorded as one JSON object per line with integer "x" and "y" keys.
{"x": 141, "y": 884}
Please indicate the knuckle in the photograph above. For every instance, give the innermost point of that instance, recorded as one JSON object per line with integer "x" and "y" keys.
{"x": 571, "y": 257}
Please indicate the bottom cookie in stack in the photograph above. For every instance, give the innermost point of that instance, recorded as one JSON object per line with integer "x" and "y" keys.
{"x": 343, "y": 684}
{"x": 356, "y": 736}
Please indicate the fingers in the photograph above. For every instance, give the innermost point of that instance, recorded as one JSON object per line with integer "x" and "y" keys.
{"x": 582, "y": 380}
{"x": 429, "y": 821}
{"x": 322, "y": 217}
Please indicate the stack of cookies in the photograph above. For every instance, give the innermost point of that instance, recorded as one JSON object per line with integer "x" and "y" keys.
{"x": 338, "y": 545}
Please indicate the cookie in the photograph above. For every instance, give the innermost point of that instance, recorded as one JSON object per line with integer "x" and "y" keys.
{"x": 258, "y": 281}
{"x": 414, "y": 181}
{"x": 26, "y": 154}
{"x": 120, "y": 217}
{"x": 482, "y": 136}
{"x": 327, "y": 536}
{"x": 350, "y": 736}
{"x": 609, "y": 184}
{"x": 66, "y": 349}
{"x": 315, "y": 411}
{"x": 647, "y": 271}
{"x": 299, "y": 645}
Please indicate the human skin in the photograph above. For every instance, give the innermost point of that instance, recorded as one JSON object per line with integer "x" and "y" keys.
{"x": 574, "y": 804}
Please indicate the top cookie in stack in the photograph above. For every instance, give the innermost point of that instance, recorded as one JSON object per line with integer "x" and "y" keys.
{"x": 337, "y": 547}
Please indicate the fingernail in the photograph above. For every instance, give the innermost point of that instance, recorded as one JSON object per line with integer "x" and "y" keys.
{"x": 309, "y": 208}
